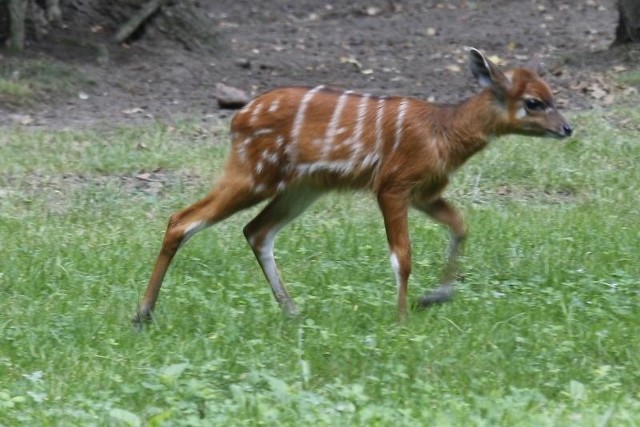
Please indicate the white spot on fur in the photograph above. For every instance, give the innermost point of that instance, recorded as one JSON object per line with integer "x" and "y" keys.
{"x": 291, "y": 151}
{"x": 241, "y": 148}
{"x": 242, "y": 152}
{"x": 521, "y": 113}
{"x": 274, "y": 106}
{"x": 271, "y": 158}
{"x": 255, "y": 114}
{"x": 259, "y": 188}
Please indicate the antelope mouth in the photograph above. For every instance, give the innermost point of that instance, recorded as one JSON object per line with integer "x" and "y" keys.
{"x": 558, "y": 135}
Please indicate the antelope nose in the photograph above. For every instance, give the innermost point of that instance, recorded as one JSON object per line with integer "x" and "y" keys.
{"x": 568, "y": 130}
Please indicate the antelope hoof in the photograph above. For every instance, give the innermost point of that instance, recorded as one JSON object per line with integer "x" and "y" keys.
{"x": 291, "y": 312}
{"x": 138, "y": 321}
{"x": 439, "y": 296}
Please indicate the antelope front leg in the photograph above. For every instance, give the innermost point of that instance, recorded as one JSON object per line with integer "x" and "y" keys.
{"x": 395, "y": 209}
{"x": 443, "y": 212}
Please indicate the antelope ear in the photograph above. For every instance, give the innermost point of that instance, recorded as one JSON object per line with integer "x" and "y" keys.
{"x": 487, "y": 73}
{"x": 535, "y": 64}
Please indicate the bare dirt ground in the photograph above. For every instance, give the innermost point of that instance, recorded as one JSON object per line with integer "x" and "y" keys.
{"x": 405, "y": 47}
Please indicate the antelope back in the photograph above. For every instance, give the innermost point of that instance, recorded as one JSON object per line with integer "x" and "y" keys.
{"x": 337, "y": 138}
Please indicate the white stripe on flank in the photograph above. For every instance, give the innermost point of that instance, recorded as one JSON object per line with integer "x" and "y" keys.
{"x": 402, "y": 111}
{"x": 379, "y": 129}
{"x": 302, "y": 109}
{"x": 357, "y": 133}
{"x": 376, "y": 154}
{"x": 362, "y": 113}
{"x": 332, "y": 128}
{"x": 262, "y": 131}
{"x": 369, "y": 160}
{"x": 342, "y": 167}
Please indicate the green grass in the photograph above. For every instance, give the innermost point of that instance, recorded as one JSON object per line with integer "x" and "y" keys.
{"x": 543, "y": 332}
{"x": 630, "y": 78}
{"x": 25, "y": 82}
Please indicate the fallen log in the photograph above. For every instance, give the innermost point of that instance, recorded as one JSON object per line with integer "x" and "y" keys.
{"x": 139, "y": 18}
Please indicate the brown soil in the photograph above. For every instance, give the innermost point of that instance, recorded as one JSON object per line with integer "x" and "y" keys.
{"x": 409, "y": 47}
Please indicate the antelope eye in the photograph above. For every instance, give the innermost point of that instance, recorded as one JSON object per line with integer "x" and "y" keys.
{"x": 533, "y": 104}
